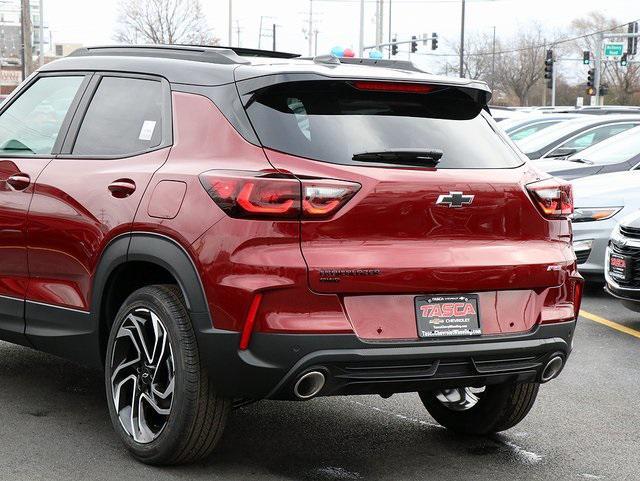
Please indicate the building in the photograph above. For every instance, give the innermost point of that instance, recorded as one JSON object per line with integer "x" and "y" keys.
{"x": 10, "y": 30}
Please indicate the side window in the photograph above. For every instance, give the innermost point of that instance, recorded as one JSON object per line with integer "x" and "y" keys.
{"x": 31, "y": 124}
{"x": 596, "y": 135}
{"x": 124, "y": 117}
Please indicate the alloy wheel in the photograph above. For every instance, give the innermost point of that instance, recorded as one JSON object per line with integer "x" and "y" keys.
{"x": 142, "y": 375}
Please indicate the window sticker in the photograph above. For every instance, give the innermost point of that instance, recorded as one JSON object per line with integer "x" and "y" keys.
{"x": 146, "y": 132}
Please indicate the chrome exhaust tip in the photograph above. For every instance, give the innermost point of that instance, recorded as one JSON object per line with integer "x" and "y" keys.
{"x": 552, "y": 369}
{"x": 309, "y": 385}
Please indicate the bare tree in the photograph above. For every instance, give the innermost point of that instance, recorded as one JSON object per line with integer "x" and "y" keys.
{"x": 520, "y": 68}
{"x": 163, "y": 22}
{"x": 624, "y": 82}
{"x": 477, "y": 59}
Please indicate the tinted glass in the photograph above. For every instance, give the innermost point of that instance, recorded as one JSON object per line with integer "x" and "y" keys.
{"x": 331, "y": 121}
{"x": 124, "y": 117}
{"x": 594, "y": 136}
{"x": 31, "y": 124}
{"x": 616, "y": 149}
{"x": 520, "y": 134}
{"x": 542, "y": 139}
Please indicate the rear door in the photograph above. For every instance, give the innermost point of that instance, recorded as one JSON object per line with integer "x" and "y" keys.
{"x": 466, "y": 224}
{"x": 32, "y": 128}
{"x": 89, "y": 194}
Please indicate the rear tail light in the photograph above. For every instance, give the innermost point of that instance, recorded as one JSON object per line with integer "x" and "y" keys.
{"x": 268, "y": 195}
{"x": 553, "y": 197}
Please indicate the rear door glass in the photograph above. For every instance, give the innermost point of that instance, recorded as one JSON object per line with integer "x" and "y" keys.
{"x": 124, "y": 117}
{"x": 331, "y": 121}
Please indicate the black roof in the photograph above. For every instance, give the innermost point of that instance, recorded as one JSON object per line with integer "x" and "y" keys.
{"x": 209, "y": 66}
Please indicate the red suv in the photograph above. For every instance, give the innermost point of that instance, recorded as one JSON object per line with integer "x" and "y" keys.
{"x": 214, "y": 227}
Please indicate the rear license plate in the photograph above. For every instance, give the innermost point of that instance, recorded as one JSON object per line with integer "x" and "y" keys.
{"x": 619, "y": 266}
{"x": 445, "y": 316}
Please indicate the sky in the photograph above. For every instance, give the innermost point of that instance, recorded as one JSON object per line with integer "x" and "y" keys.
{"x": 92, "y": 22}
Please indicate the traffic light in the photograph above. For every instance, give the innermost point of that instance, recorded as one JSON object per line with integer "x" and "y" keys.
{"x": 394, "y": 46}
{"x": 591, "y": 91}
{"x": 434, "y": 41}
{"x": 604, "y": 90}
{"x": 623, "y": 60}
{"x": 548, "y": 68}
{"x": 632, "y": 42}
{"x": 414, "y": 44}
{"x": 586, "y": 57}
{"x": 591, "y": 75}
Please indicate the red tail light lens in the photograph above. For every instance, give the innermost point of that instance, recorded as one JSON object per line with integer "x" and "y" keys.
{"x": 412, "y": 88}
{"x": 260, "y": 195}
{"x": 553, "y": 197}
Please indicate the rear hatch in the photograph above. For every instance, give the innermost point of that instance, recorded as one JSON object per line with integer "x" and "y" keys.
{"x": 440, "y": 205}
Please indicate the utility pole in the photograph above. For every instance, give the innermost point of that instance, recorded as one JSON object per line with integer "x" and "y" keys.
{"x": 315, "y": 46}
{"x": 27, "y": 53}
{"x": 238, "y": 29}
{"x": 597, "y": 58}
{"x": 310, "y": 28}
{"x": 41, "y": 33}
{"x": 379, "y": 21}
{"x": 230, "y": 23}
{"x": 390, "y": 27}
{"x": 361, "y": 43}
{"x": 462, "y": 40}
{"x": 274, "y": 37}
{"x": 493, "y": 59}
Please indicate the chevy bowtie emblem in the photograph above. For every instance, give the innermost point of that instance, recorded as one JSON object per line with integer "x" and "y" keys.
{"x": 455, "y": 199}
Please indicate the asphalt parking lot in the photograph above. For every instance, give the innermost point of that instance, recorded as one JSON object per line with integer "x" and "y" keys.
{"x": 54, "y": 425}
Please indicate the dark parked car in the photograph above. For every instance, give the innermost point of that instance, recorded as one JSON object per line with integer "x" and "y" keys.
{"x": 622, "y": 268}
{"x": 213, "y": 227}
{"x": 575, "y": 135}
{"x": 618, "y": 153}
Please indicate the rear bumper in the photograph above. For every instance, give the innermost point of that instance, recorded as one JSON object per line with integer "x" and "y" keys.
{"x": 274, "y": 362}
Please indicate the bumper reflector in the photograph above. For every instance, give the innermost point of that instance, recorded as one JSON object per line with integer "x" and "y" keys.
{"x": 247, "y": 330}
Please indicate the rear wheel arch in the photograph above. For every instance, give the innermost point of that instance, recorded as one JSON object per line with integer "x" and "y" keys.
{"x": 136, "y": 260}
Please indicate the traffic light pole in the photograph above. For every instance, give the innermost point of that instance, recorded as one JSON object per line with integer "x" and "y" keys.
{"x": 597, "y": 57}
{"x": 398, "y": 42}
{"x": 599, "y": 61}
{"x": 553, "y": 86}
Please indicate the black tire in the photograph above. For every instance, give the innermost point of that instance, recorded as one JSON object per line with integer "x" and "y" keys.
{"x": 197, "y": 415}
{"x": 500, "y": 407}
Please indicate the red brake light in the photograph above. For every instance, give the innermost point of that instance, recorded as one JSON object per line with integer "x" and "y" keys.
{"x": 553, "y": 197}
{"x": 260, "y": 195}
{"x": 394, "y": 87}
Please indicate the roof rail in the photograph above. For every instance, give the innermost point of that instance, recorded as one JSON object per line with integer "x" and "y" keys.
{"x": 255, "y": 52}
{"x": 181, "y": 52}
{"x": 197, "y": 53}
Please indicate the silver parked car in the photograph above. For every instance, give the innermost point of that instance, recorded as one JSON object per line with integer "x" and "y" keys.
{"x": 600, "y": 202}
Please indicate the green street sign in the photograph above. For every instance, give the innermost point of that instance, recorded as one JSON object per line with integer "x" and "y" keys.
{"x": 613, "y": 49}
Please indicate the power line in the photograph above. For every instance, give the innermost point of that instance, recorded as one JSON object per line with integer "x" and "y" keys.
{"x": 534, "y": 47}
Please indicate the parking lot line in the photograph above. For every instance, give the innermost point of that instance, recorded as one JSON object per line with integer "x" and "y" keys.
{"x": 611, "y": 324}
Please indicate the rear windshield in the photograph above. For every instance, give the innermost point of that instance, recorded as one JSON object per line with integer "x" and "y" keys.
{"x": 331, "y": 121}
